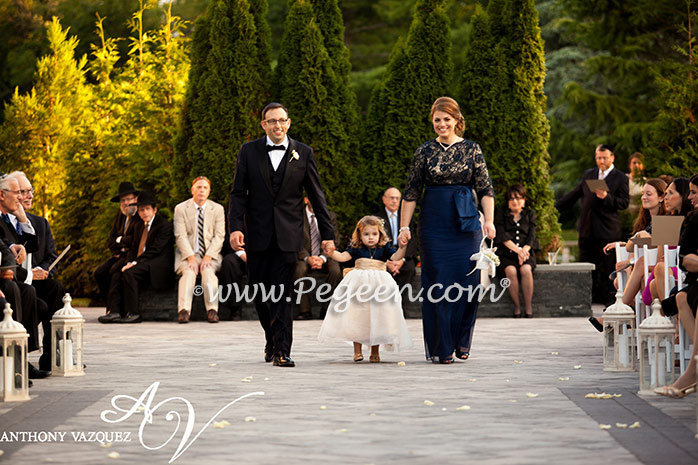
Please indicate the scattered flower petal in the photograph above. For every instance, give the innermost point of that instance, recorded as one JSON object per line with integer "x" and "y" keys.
{"x": 250, "y": 419}
{"x": 323, "y": 407}
{"x": 513, "y": 401}
{"x": 577, "y": 367}
{"x": 518, "y": 361}
{"x": 266, "y": 379}
{"x": 113, "y": 455}
{"x": 621, "y": 425}
{"x": 563, "y": 378}
{"x": 634, "y": 425}
{"x": 617, "y": 395}
{"x": 371, "y": 414}
{"x": 247, "y": 379}
{"x": 212, "y": 364}
{"x": 506, "y": 380}
{"x": 602, "y": 426}
{"x": 428, "y": 403}
{"x": 472, "y": 380}
{"x": 443, "y": 409}
{"x": 531, "y": 395}
{"x": 463, "y": 407}
{"x": 401, "y": 364}
{"x": 221, "y": 424}
{"x": 554, "y": 353}
{"x": 106, "y": 445}
{"x": 140, "y": 409}
{"x": 603, "y": 395}
{"x": 343, "y": 430}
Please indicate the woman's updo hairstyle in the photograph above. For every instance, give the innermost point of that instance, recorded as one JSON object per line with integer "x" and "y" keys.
{"x": 450, "y": 106}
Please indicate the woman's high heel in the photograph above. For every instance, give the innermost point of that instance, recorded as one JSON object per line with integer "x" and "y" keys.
{"x": 675, "y": 393}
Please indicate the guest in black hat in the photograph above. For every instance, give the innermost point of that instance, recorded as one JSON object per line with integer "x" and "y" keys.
{"x": 150, "y": 260}
{"x": 120, "y": 229}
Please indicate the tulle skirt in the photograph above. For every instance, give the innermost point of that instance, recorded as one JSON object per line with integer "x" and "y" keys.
{"x": 366, "y": 307}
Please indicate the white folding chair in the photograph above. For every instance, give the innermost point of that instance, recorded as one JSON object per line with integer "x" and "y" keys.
{"x": 622, "y": 254}
{"x": 671, "y": 260}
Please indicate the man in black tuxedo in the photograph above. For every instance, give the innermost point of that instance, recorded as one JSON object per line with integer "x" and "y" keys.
{"x": 598, "y": 220}
{"x": 267, "y": 200}
{"x": 19, "y": 235}
{"x": 312, "y": 260}
{"x": 116, "y": 241}
{"x": 403, "y": 271}
{"x": 47, "y": 287}
{"x": 150, "y": 260}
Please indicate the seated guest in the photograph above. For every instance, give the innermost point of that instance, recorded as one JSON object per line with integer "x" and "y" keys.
{"x": 636, "y": 179}
{"x": 403, "y": 271}
{"x": 19, "y": 235}
{"x": 47, "y": 287}
{"x": 516, "y": 244}
{"x": 199, "y": 228}
{"x": 312, "y": 260}
{"x": 149, "y": 260}
{"x": 120, "y": 230}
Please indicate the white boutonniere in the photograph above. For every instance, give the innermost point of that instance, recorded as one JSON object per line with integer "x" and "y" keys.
{"x": 294, "y": 156}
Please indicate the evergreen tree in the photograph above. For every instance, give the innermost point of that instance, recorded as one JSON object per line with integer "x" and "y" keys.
{"x": 319, "y": 105}
{"x": 45, "y": 127}
{"x": 227, "y": 89}
{"x": 672, "y": 146}
{"x": 398, "y": 122}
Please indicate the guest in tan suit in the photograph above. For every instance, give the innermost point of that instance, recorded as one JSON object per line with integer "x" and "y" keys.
{"x": 199, "y": 227}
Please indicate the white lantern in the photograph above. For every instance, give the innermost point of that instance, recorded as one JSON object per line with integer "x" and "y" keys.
{"x": 619, "y": 336}
{"x": 66, "y": 341}
{"x": 656, "y": 340}
{"x": 13, "y": 376}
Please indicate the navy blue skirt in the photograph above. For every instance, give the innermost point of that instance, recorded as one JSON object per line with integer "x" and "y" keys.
{"x": 445, "y": 253}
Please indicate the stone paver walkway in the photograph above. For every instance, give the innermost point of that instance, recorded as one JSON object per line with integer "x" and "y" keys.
{"x": 524, "y": 384}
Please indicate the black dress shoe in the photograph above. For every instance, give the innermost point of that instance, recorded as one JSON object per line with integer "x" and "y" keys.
{"x": 283, "y": 360}
{"x": 109, "y": 318}
{"x": 30, "y": 383}
{"x": 596, "y": 324}
{"x": 268, "y": 353}
{"x": 130, "y": 318}
{"x": 35, "y": 373}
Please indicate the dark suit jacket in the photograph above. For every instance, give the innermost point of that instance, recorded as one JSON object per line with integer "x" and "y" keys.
{"x": 411, "y": 252}
{"x": 306, "y": 250}
{"x": 159, "y": 250}
{"x": 117, "y": 229}
{"x": 46, "y": 248}
{"x": 29, "y": 241}
{"x": 598, "y": 218}
{"x": 254, "y": 206}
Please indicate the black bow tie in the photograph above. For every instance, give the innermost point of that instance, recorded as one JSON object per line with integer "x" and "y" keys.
{"x": 275, "y": 147}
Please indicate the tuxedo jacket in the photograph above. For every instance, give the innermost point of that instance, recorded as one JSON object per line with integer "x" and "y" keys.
{"x": 158, "y": 253}
{"x": 598, "y": 218}
{"x": 186, "y": 220}
{"x": 9, "y": 235}
{"x": 411, "y": 251}
{"x": 255, "y": 206}
{"x": 306, "y": 249}
{"x": 45, "y": 252}
{"x": 120, "y": 248}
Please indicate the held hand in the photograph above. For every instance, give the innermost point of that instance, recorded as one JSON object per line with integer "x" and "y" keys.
{"x": 601, "y": 194}
{"x": 192, "y": 264}
{"x": 328, "y": 247}
{"x": 243, "y": 257}
{"x": 39, "y": 273}
{"x": 127, "y": 266}
{"x": 205, "y": 262}
{"x": 404, "y": 237}
{"x": 237, "y": 240}
{"x": 623, "y": 264}
{"x": 398, "y": 266}
{"x": 20, "y": 214}
{"x": 20, "y": 253}
{"x": 610, "y": 246}
{"x": 7, "y": 274}
{"x": 489, "y": 229}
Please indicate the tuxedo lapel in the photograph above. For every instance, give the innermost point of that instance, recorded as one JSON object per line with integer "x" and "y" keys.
{"x": 284, "y": 161}
{"x": 262, "y": 159}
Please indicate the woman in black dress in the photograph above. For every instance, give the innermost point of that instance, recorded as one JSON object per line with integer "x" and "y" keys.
{"x": 516, "y": 246}
{"x": 448, "y": 168}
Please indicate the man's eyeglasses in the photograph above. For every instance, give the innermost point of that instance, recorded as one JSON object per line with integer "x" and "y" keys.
{"x": 26, "y": 191}
{"x": 272, "y": 122}
{"x": 17, "y": 192}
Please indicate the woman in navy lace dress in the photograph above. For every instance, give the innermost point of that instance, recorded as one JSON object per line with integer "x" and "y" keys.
{"x": 448, "y": 169}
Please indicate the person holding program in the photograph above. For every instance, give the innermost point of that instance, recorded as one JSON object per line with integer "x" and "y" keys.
{"x": 366, "y": 307}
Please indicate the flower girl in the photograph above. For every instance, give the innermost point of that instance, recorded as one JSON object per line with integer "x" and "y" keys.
{"x": 366, "y": 307}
